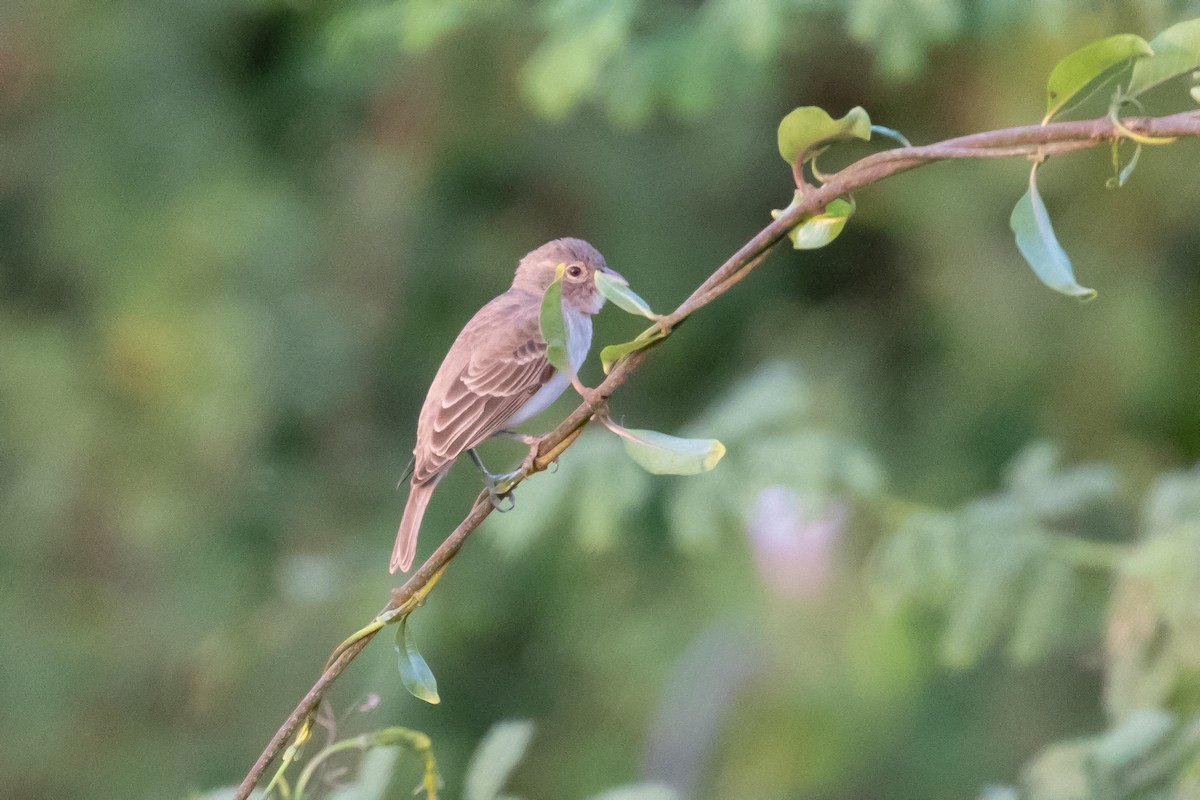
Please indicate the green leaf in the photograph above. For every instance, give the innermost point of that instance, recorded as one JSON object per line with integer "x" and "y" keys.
{"x": 1176, "y": 51}
{"x": 617, "y": 290}
{"x": 615, "y": 352}
{"x": 374, "y": 774}
{"x": 1086, "y": 64}
{"x": 639, "y": 791}
{"x": 414, "y": 672}
{"x": 808, "y": 126}
{"x": 1195, "y": 92}
{"x": 497, "y": 756}
{"x": 820, "y": 230}
{"x": 661, "y": 454}
{"x": 1137, "y": 735}
{"x": 552, "y": 324}
{"x": 1036, "y": 241}
{"x": 1043, "y": 618}
{"x": 1122, "y": 173}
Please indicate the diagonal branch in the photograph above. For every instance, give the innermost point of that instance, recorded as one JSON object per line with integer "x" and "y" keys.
{"x": 1030, "y": 140}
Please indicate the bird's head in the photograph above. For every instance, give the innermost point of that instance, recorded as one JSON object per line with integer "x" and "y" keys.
{"x": 580, "y": 261}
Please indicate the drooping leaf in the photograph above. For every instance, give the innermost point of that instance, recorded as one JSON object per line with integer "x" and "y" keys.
{"x": 891, "y": 133}
{"x": 552, "y": 324}
{"x": 1176, "y": 51}
{"x": 661, "y": 454}
{"x": 1079, "y": 69}
{"x": 1122, "y": 173}
{"x": 615, "y": 352}
{"x": 807, "y": 126}
{"x": 819, "y": 230}
{"x": 1036, "y": 240}
{"x": 617, "y": 290}
{"x": 414, "y": 672}
{"x": 497, "y": 756}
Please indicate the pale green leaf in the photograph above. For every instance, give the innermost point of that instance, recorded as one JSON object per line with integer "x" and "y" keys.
{"x": 639, "y": 791}
{"x": 1079, "y": 69}
{"x": 414, "y": 672}
{"x": 615, "y": 352}
{"x": 1195, "y": 92}
{"x": 497, "y": 756}
{"x": 374, "y": 774}
{"x": 1137, "y": 735}
{"x": 807, "y": 126}
{"x": 1176, "y": 51}
{"x": 891, "y": 133}
{"x": 553, "y": 326}
{"x": 1037, "y": 242}
{"x": 1122, "y": 173}
{"x": 617, "y": 290}
{"x": 819, "y": 230}
{"x": 1044, "y": 613}
{"x": 661, "y": 454}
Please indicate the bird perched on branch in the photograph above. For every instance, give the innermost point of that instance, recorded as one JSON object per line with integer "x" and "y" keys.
{"x": 497, "y": 374}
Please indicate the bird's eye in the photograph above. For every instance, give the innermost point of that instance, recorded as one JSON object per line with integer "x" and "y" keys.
{"x": 574, "y": 271}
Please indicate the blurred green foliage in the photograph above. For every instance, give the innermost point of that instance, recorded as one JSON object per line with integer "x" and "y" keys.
{"x": 236, "y": 239}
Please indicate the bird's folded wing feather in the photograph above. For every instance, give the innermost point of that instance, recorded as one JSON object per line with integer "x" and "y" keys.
{"x": 497, "y": 363}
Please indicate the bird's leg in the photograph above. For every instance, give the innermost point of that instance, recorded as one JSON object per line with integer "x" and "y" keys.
{"x": 523, "y": 438}
{"x": 494, "y": 484}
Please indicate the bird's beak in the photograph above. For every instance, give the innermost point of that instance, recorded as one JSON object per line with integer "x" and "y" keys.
{"x": 620, "y": 278}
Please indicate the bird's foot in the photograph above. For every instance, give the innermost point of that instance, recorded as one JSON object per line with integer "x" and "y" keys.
{"x": 591, "y": 396}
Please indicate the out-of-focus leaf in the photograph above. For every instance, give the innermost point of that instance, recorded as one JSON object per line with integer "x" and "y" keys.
{"x": 614, "y": 490}
{"x": 497, "y": 756}
{"x": 374, "y": 773}
{"x": 1060, "y": 772}
{"x": 615, "y": 352}
{"x": 995, "y": 792}
{"x": 1044, "y": 610}
{"x": 920, "y": 561}
{"x": 566, "y": 66}
{"x": 414, "y": 672}
{"x": 807, "y": 126}
{"x": 818, "y": 231}
{"x": 552, "y": 324}
{"x": 225, "y": 793}
{"x": 1195, "y": 92}
{"x": 1076, "y": 71}
{"x": 1036, "y": 240}
{"x": 1176, "y": 51}
{"x": 1135, "y": 737}
{"x": 639, "y": 791}
{"x": 774, "y": 398}
{"x": 1051, "y": 493}
{"x": 1000, "y": 550}
{"x": 662, "y": 454}
{"x": 617, "y": 290}
{"x": 698, "y": 512}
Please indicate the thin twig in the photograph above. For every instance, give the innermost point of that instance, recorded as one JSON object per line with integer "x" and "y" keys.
{"x": 1058, "y": 137}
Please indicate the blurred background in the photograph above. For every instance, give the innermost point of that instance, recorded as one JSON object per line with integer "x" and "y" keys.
{"x": 956, "y": 524}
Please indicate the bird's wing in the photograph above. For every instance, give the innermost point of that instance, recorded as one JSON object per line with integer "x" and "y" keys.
{"x": 496, "y": 364}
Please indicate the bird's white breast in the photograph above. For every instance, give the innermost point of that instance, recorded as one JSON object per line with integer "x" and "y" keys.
{"x": 579, "y": 341}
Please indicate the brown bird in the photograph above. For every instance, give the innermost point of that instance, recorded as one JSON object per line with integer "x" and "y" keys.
{"x": 496, "y": 374}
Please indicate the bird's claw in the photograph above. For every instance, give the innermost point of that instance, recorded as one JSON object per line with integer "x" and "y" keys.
{"x": 498, "y": 499}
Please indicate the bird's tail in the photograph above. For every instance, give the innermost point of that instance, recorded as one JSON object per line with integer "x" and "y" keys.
{"x": 410, "y": 524}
